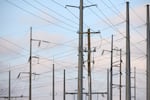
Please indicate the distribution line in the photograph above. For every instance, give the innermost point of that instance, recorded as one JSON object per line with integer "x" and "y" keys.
{"x": 49, "y": 14}
{"x": 113, "y": 27}
{"x": 68, "y": 19}
{"x": 65, "y": 8}
{"x": 46, "y": 20}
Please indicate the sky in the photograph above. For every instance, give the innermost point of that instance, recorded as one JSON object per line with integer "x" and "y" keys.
{"x": 55, "y": 29}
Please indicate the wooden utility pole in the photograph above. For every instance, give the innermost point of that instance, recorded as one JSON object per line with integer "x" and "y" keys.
{"x": 128, "y": 76}
{"x": 89, "y": 66}
{"x": 148, "y": 56}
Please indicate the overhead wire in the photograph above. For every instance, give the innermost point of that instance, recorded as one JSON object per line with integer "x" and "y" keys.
{"x": 13, "y": 43}
{"x": 46, "y": 20}
{"x": 68, "y": 19}
{"x": 112, "y": 25}
{"x": 137, "y": 14}
{"x": 121, "y": 16}
{"x": 65, "y": 8}
{"x": 113, "y": 6}
{"x": 59, "y": 4}
{"x": 48, "y": 14}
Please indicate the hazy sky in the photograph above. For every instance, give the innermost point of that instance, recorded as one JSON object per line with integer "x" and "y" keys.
{"x": 57, "y": 24}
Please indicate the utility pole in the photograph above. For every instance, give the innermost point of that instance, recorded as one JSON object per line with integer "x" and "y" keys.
{"x": 128, "y": 78}
{"x": 30, "y": 72}
{"x": 80, "y": 50}
{"x": 134, "y": 83}
{"x": 148, "y": 56}
{"x": 111, "y": 70}
{"x": 89, "y": 63}
{"x": 80, "y": 57}
{"x": 9, "y": 85}
{"x": 120, "y": 73}
{"x": 64, "y": 86}
{"x": 89, "y": 66}
{"x": 115, "y": 64}
{"x": 107, "y": 84}
{"x": 53, "y": 85}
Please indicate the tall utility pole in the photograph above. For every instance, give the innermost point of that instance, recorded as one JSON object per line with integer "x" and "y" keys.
{"x": 148, "y": 56}
{"x": 53, "y": 85}
{"x": 9, "y": 85}
{"x": 80, "y": 56}
{"x": 80, "y": 49}
{"x": 30, "y": 72}
{"x": 111, "y": 70}
{"x": 64, "y": 95}
{"x": 128, "y": 78}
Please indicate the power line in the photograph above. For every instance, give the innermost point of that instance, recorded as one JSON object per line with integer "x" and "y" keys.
{"x": 13, "y": 43}
{"x": 65, "y": 8}
{"x": 68, "y": 19}
{"x": 113, "y": 6}
{"x": 48, "y": 21}
{"x": 48, "y": 14}
{"x": 137, "y": 15}
{"x": 122, "y": 17}
{"x": 112, "y": 25}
